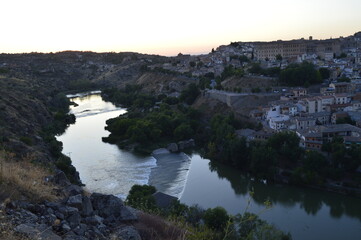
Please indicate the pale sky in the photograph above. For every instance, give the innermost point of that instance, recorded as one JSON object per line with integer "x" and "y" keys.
{"x": 167, "y": 27}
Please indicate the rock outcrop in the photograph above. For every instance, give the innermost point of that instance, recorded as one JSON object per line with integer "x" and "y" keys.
{"x": 74, "y": 217}
{"x": 180, "y": 146}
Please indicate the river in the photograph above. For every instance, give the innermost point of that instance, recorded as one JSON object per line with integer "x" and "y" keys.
{"x": 305, "y": 213}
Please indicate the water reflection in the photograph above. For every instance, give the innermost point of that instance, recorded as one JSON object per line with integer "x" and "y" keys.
{"x": 311, "y": 201}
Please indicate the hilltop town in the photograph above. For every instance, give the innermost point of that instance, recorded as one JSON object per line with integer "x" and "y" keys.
{"x": 245, "y": 76}
{"x": 315, "y": 113}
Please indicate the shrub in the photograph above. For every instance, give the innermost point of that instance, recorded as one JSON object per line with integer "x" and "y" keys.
{"x": 140, "y": 196}
{"x": 27, "y": 140}
{"x": 216, "y": 218}
{"x": 64, "y": 164}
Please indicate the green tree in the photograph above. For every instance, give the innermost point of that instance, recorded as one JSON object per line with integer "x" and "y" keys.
{"x": 190, "y": 94}
{"x": 316, "y": 163}
{"x": 300, "y": 74}
{"x": 343, "y": 79}
{"x": 279, "y": 58}
{"x": 255, "y": 68}
{"x": 140, "y": 197}
{"x": 216, "y": 218}
{"x": 286, "y": 145}
{"x": 251, "y": 227}
{"x": 325, "y": 73}
{"x": 243, "y": 59}
{"x": 263, "y": 161}
{"x": 183, "y": 131}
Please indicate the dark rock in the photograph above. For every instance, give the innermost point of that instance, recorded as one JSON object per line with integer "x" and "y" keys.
{"x": 67, "y": 211}
{"x": 181, "y": 145}
{"x": 133, "y": 210}
{"x": 163, "y": 200}
{"x": 11, "y": 205}
{"x": 75, "y": 201}
{"x": 49, "y": 219}
{"x": 65, "y": 227}
{"x": 27, "y": 216}
{"x": 22, "y": 204}
{"x": 37, "y": 209}
{"x": 111, "y": 221}
{"x": 107, "y": 205}
{"x": 59, "y": 215}
{"x": 60, "y": 179}
{"x": 50, "y": 211}
{"x": 127, "y": 233}
{"x": 127, "y": 215}
{"x": 186, "y": 144}
{"x": 173, "y": 147}
{"x": 52, "y": 205}
{"x": 74, "y": 220}
{"x": 103, "y": 229}
{"x": 87, "y": 206}
{"x": 74, "y": 190}
{"x": 191, "y": 143}
{"x": 97, "y": 233}
{"x": 80, "y": 230}
{"x": 72, "y": 236}
{"x": 34, "y": 231}
{"x": 94, "y": 220}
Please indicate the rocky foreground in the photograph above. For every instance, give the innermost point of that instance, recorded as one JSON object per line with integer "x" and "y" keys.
{"x": 77, "y": 216}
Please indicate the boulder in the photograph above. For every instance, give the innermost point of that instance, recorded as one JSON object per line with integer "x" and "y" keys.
{"x": 34, "y": 231}
{"x": 87, "y": 206}
{"x": 106, "y": 205}
{"x": 59, "y": 215}
{"x": 74, "y": 220}
{"x": 74, "y": 190}
{"x": 172, "y": 147}
{"x": 52, "y": 205}
{"x": 80, "y": 230}
{"x": 127, "y": 214}
{"x": 65, "y": 227}
{"x": 94, "y": 220}
{"x": 181, "y": 145}
{"x": 67, "y": 211}
{"x": 60, "y": 179}
{"x": 37, "y": 209}
{"x": 75, "y": 201}
{"x": 163, "y": 200}
{"x": 72, "y": 236}
{"x": 186, "y": 144}
{"x": 127, "y": 233}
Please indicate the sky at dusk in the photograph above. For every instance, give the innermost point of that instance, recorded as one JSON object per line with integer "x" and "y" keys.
{"x": 167, "y": 27}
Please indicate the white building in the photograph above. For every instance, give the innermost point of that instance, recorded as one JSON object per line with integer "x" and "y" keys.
{"x": 341, "y": 98}
{"x": 278, "y": 123}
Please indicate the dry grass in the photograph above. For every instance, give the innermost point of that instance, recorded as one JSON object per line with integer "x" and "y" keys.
{"x": 22, "y": 179}
{"x": 152, "y": 227}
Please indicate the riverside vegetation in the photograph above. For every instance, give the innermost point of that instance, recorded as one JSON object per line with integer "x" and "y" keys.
{"x": 154, "y": 121}
{"x": 213, "y": 223}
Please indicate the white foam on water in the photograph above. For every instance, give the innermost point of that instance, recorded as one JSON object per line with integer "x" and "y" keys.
{"x": 170, "y": 174}
{"x": 83, "y": 94}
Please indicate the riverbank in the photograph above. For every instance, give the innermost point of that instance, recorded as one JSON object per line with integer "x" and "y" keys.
{"x": 303, "y": 212}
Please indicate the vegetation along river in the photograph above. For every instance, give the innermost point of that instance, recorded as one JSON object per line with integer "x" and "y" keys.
{"x": 305, "y": 213}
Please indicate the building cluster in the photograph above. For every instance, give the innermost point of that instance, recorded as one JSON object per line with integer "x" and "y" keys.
{"x": 315, "y": 117}
{"x": 295, "y": 49}
{"x": 342, "y": 56}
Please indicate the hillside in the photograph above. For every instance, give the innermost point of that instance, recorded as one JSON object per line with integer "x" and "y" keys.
{"x": 36, "y": 199}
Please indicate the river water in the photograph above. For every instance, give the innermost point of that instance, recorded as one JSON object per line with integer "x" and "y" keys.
{"x": 305, "y": 213}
